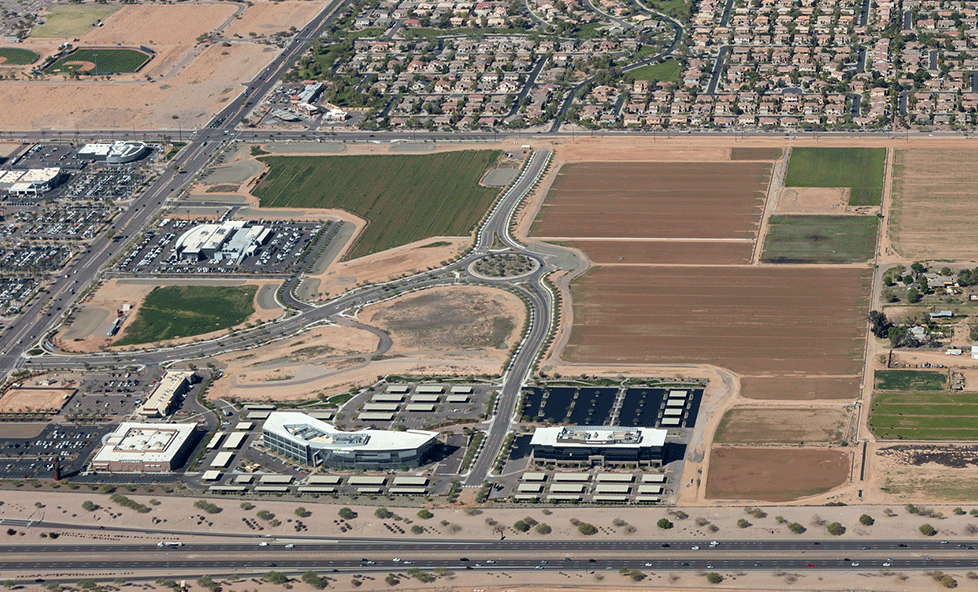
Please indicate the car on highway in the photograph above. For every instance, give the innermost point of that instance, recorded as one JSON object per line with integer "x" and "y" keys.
{"x": 855, "y": 564}
{"x": 887, "y": 564}
{"x": 695, "y": 547}
{"x": 810, "y": 565}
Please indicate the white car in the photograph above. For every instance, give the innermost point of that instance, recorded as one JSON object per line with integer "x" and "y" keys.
{"x": 396, "y": 560}
{"x": 263, "y": 544}
{"x": 855, "y": 564}
{"x": 696, "y": 547}
{"x": 887, "y": 564}
{"x": 649, "y": 565}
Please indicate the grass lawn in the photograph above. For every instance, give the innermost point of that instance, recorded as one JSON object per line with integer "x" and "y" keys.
{"x": 404, "y": 198}
{"x": 667, "y": 71}
{"x": 107, "y": 61}
{"x": 907, "y": 380}
{"x": 72, "y": 20}
{"x": 909, "y": 415}
{"x": 183, "y": 311}
{"x": 820, "y": 239}
{"x": 678, "y": 9}
{"x": 860, "y": 169}
{"x": 14, "y": 56}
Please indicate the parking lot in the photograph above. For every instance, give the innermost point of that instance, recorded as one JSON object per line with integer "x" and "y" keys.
{"x": 31, "y": 457}
{"x": 103, "y": 183}
{"x": 157, "y": 252}
{"x": 53, "y": 222}
{"x": 14, "y": 291}
{"x": 27, "y": 258}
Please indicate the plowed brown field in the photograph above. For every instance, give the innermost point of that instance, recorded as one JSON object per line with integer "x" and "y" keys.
{"x": 934, "y": 204}
{"x": 773, "y": 474}
{"x": 748, "y": 319}
{"x": 665, "y": 252}
{"x": 655, "y": 200}
{"x": 796, "y": 388}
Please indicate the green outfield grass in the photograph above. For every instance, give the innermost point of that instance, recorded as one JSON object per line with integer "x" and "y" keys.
{"x": 667, "y": 71}
{"x": 860, "y": 169}
{"x": 14, "y": 56}
{"x": 71, "y": 20}
{"x": 107, "y": 61}
{"x": 909, "y": 415}
{"x": 404, "y": 198}
{"x": 820, "y": 239}
{"x": 910, "y": 380}
{"x": 184, "y": 311}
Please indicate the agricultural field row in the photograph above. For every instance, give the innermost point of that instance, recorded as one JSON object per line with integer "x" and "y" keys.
{"x": 403, "y": 198}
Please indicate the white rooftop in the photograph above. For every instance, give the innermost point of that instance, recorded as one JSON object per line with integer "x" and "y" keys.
{"x": 148, "y": 441}
{"x": 605, "y": 436}
{"x": 323, "y": 435}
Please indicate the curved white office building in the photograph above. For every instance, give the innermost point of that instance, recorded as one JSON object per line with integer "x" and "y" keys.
{"x": 311, "y": 441}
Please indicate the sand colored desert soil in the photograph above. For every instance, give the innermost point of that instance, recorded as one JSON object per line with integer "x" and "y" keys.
{"x": 674, "y": 252}
{"x": 191, "y": 82}
{"x": 440, "y": 331}
{"x": 96, "y": 313}
{"x": 933, "y": 196}
{"x": 767, "y": 425}
{"x": 775, "y": 474}
{"x": 470, "y": 322}
{"x": 813, "y": 200}
{"x": 265, "y": 18}
{"x": 800, "y": 388}
{"x": 670, "y": 200}
{"x": 390, "y": 264}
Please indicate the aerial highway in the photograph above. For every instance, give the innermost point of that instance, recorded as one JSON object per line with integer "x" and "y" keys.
{"x": 385, "y": 556}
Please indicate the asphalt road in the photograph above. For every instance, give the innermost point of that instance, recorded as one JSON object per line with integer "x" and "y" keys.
{"x": 394, "y": 556}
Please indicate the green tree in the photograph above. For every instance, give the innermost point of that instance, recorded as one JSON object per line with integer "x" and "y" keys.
{"x": 383, "y": 513}
{"x": 913, "y": 296}
{"x": 88, "y": 506}
{"x": 347, "y": 514}
{"x": 796, "y": 528}
{"x": 314, "y": 580}
{"x": 275, "y": 577}
{"x": 543, "y": 528}
{"x": 743, "y": 523}
{"x": 836, "y": 529}
{"x": 927, "y": 530}
{"x": 586, "y": 529}
{"x": 714, "y": 578}
{"x": 302, "y": 512}
{"x": 417, "y": 529}
{"x": 425, "y": 514}
{"x": 521, "y": 526}
{"x": 664, "y": 524}
{"x": 866, "y": 520}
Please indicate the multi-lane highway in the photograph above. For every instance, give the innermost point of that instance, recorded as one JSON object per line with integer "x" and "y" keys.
{"x": 366, "y": 555}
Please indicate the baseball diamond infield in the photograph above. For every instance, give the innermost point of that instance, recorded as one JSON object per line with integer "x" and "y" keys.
{"x": 99, "y": 61}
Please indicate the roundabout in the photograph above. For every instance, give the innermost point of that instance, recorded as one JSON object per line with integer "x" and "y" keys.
{"x": 507, "y": 266}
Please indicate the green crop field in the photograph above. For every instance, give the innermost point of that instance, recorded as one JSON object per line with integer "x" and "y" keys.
{"x": 71, "y": 20}
{"x": 107, "y": 61}
{"x": 820, "y": 239}
{"x": 860, "y": 169}
{"x": 14, "y": 56}
{"x": 184, "y": 311}
{"x": 667, "y": 71}
{"x": 404, "y": 198}
{"x": 910, "y": 380}
{"x": 901, "y": 415}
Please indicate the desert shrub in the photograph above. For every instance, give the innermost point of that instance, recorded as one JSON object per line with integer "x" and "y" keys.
{"x": 543, "y": 528}
{"x": 586, "y": 529}
{"x": 743, "y": 523}
{"x": 714, "y": 578}
{"x": 347, "y": 514}
{"x": 664, "y": 523}
{"x": 866, "y": 520}
{"x": 302, "y": 512}
{"x": 425, "y": 514}
{"x": 313, "y": 579}
{"x": 521, "y": 526}
{"x": 836, "y": 529}
{"x": 927, "y": 530}
{"x": 796, "y": 528}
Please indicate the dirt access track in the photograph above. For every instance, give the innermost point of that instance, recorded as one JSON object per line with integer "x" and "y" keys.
{"x": 184, "y": 83}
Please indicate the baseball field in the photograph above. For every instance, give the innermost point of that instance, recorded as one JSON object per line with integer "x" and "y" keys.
{"x": 100, "y": 61}
{"x": 15, "y": 56}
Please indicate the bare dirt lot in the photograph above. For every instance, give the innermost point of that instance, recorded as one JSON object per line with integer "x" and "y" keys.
{"x": 933, "y": 196}
{"x": 671, "y": 200}
{"x": 923, "y": 473}
{"x": 813, "y": 200}
{"x": 749, "y": 319}
{"x": 775, "y": 474}
{"x": 638, "y": 252}
{"x": 26, "y": 400}
{"x": 266, "y": 18}
{"x": 462, "y": 319}
{"x": 190, "y": 81}
{"x": 800, "y": 388}
{"x": 766, "y": 425}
